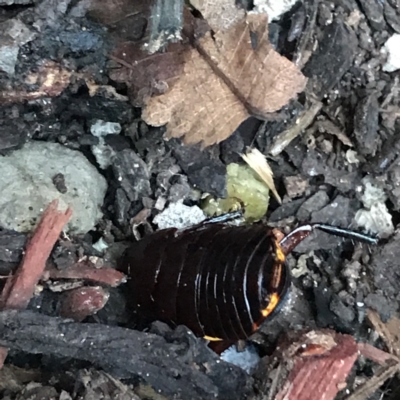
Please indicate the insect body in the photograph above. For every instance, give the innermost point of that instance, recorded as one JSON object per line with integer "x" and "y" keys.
{"x": 220, "y": 281}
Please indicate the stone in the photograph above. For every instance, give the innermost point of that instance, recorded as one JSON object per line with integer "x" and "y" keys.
{"x": 27, "y": 187}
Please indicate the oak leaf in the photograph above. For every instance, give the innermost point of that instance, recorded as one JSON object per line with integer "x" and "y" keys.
{"x": 227, "y": 76}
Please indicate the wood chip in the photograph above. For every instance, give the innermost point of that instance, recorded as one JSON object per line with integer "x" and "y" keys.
{"x": 318, "y": 364}
{"x": 82, "y": 270}
{"x": 20, "y": 288}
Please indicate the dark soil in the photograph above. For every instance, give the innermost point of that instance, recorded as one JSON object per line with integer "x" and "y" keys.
{"x": 335, "y": 280}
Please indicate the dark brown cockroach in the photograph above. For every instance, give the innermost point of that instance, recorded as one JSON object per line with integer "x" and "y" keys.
{"x": 220, "y": 281}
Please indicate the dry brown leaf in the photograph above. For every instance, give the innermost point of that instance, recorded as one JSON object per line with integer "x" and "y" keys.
{"x": 200, "y": 106}
{"x": 147, "y": 74}
{"x": 226, "y": 77}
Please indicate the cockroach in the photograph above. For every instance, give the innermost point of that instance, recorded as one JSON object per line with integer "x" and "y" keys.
{"x": 220, "y": 281}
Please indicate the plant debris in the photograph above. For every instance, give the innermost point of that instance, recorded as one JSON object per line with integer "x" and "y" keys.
{"x": 246, "y": 190}
{"x": 72, "y": 76}
{"x": 222, "y": 81}
{"x": 19, "y": 289}
{"x": 256, "y": 160}
{"x": 323, "y": 359}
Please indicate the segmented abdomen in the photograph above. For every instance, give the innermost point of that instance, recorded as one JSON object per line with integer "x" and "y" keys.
{"x": 215, "y": 279}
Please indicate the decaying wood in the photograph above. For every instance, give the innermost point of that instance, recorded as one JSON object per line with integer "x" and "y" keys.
{"x": 379, "y": 356}
{"x": 85, "y": 271}
{"x": 173, "y": 363}
{"x": 312, "y": 367}
{"x": 19, "y": 289}
{"x": 322, "y": 375}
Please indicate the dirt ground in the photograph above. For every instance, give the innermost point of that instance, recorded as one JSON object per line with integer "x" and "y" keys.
{"x": 341, "y": 168}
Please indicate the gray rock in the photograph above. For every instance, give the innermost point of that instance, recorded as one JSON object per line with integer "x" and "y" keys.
{"x": 312, "y": 204}
{"x": 27, "y": 187}
{"x": 13, "y": 34}
{"x": 102, "y": 151}
{"x": 132, "y": 174}
{"x": 366, "y": 125}
{"x": 340, "y": 212}
{"x": 334, "y": 56}
{"x": 177, "y": 215}
{"x": 11, "y": 2}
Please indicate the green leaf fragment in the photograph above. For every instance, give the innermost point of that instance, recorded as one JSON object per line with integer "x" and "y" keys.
{"x": 245, "y": 191}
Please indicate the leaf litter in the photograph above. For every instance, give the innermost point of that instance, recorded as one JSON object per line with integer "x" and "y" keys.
{"x": 205, "y": 87}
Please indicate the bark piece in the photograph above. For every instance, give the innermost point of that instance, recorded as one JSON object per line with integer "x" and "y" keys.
{"x": 225, "y": 77}
{"x": 79, "y": 303}
{"x": 176, "y": 363}
{"x": 19, "y": 289}
{"x": 312, "y": 367}
{"x": 104, "y": 275}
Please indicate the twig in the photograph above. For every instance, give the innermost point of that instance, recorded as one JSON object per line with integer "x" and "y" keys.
{"x": 19, "y": 289}
{"x": 305, "y": 119}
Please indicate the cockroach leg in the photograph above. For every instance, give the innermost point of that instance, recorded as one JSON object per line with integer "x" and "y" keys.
{"x": 290, "y": 241}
